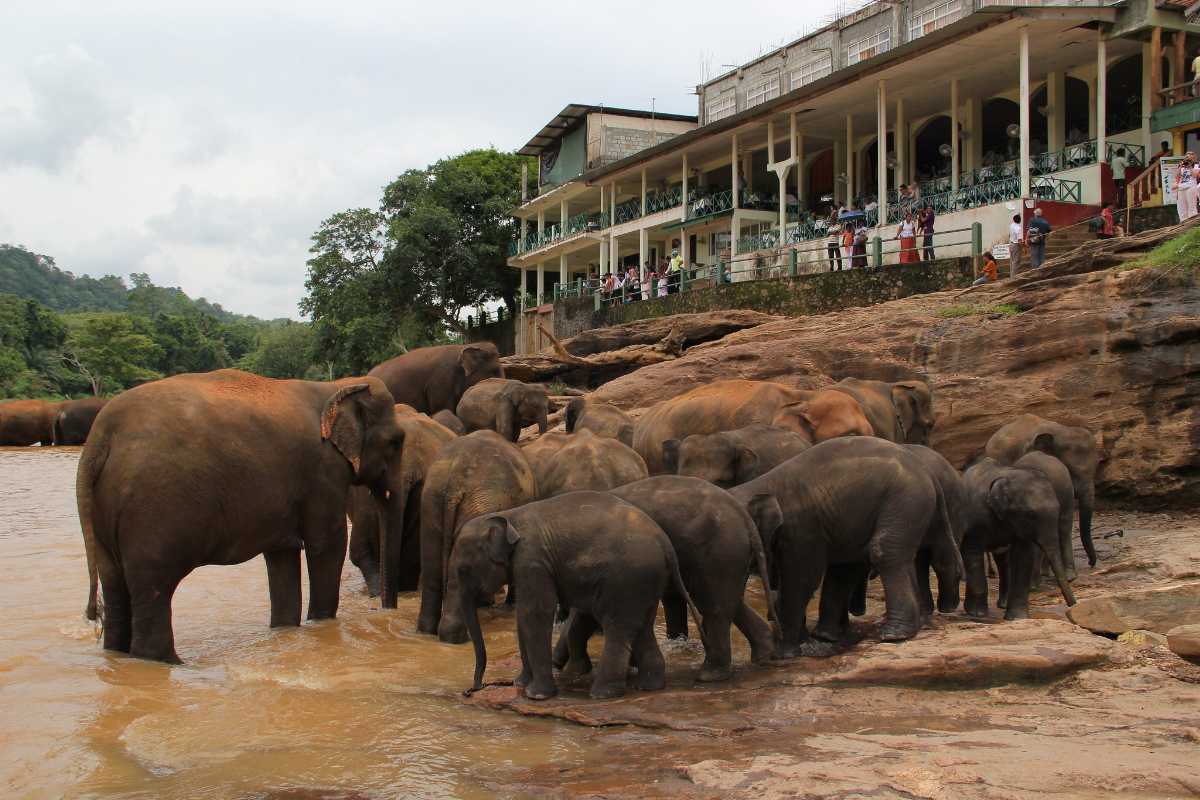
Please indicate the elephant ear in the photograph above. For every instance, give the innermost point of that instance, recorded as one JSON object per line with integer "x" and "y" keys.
{"x": 767, "y": 514}
{"x": 575, "y": 410}
{"x": 508, "y": 422}
{"x": 670, "y": 454}
{"x": 502, "y": 537}
{"x": 747, "y": 460}
{"x": 796, "y": 417}
{"x": 1000, "y": 497}
{"x": 472, "y": 359}
{"x": 343, "y": 424}
{"x": 1044, "y": 443}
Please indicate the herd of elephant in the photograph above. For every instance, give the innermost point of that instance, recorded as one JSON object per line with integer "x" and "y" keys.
{"x": 595, "y": 526}
{"x": 29, "y": 422}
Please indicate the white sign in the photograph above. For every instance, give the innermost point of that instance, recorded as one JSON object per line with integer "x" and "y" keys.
{"x": 1168, "y": 169}
{"x": 1000, "y": 252}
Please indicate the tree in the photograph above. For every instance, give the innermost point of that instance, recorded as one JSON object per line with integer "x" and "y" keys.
{"x": 106, "y": 348}
{"x": 30, "y": 337}
{"x": 284, "y": 351}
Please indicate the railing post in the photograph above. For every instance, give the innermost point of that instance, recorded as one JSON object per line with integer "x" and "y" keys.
{"x": 877, "y": 248}
{"x": 793, "y": 257}
{"x": 683, "y": 278}
{"x": 596, "y": 301}
{"x": 976, "y": 239}
{"x": 720, "y": 272}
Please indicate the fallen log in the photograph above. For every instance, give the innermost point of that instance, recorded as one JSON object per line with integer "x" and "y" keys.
{"x": 560, "y": 366}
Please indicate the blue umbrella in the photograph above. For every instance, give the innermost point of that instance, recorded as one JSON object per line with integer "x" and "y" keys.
{"x": 850, "y": 214}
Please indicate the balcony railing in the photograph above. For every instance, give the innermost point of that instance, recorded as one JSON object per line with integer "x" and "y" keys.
{"x": 664, "y": 200}
{"x": 627, "y": 211}
{"x": 715, "y": 203}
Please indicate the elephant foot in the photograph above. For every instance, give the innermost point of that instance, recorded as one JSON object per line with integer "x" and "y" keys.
{"x": 948, "y": 605}
{"x": 762, "y": 654}
{"x": 651, "y": 681}
{"x": 522, "y": 680}
{"x": 829, "y": 633}
{"x": 1016, "y": 612}
{"x": 453, "y": 634}
{"x": 898, "y": 631}
{"x": 789, "y": 650}
{"x": 576, "y": 668}
{"x": 858, "y": 607}
{"x": 427, "y": 625}
{"x": 711, "y": 673}
{"x": 534, "y": 691}
{"x": 1002, "y": 601}
{"x": 979, "y": 612}
{"x": 607, "y": 692}
{"x": 818, "y": 649}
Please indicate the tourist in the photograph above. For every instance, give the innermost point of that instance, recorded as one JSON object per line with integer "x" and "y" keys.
{"x": 989, "y": 273}
{"x": 633, "y": 284}
{"x": 848, "y": 244}
{"x": 648, "y": 278}
{"x": 610, "y": 284}
{"x": 925, "y": 223}
{"x": 860, "y": 248}
{"x": 1195, "y": 76}
{"x": 1119, "y": 165}
{"x": 1165, "y": 152}
{"x": 907, "y": 234}
{"x": 833, "y": 248}
{"x": 1108, "y": 223}
{"x": 1194, "y": 203}
{"x": 1185, "y": 180}
{"x": 664, "y": 283}
{"x": 1015, "y": 236}
{"x": 1039, "y": 229}
{"x": 674, "y": 272}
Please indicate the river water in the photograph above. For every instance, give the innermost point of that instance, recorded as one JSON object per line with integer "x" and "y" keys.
{"x": 357, "y": 707}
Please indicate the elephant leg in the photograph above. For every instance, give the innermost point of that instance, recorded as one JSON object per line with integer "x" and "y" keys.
{"x": 718, "y": 654}
{"x": 619, "y": 637}
{"x": 798, "y": 580}
{"x": 118, "y": 609}
{"x": 1003, "y": 579}
{"x": 858, "y": 599}
{"x": 902, "y": 617}
{"x": 535, "y": 625}
{"x": 841, "y": 581}
{"x": 325, "y": 564}
{"x": 283, "y": 582}
{"x": 1021, "y": 558}
{"x": 945, "y": 567}
{"x": 408, "y": 568}
{"x": 431, "y": 580}
{"x": 757, "y": 632}
{"x": 1066, "y": 522}
{"x": 574, "y": 643}
{"x": 153, "y": 637}
{"x": 924, "y": 593}
{"x": 976, "y": 602}
{"x": 452, "y": 628}
{"x": 652, "y": 669}
{"x": 675, "y": 611}
{"x": 364, "y": 549}
{"x": 1085, "y": 494}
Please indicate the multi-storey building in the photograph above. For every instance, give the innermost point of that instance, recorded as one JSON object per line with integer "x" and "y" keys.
{"x": 987, "y": 106}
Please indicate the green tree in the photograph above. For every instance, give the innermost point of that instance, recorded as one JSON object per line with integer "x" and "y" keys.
{"x": 110, "y": 353}
{"x": 283, "y": 351}
{"x": 31, "y": 336}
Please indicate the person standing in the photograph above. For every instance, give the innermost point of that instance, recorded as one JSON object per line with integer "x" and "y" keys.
{"x": 925, "y": 223}
{"x": 1016, "y": 235}
{"x": 1039, "y": 229}
{"x": 848, "y": 245}
{"x": 860, "y": 248}
{"x": 907, "y": 234}
{"x": 1119, "y": 164}
{"x": 674, "y": 272}
{"x": 1185, "y": 181}
{"x": 833, "y": 248}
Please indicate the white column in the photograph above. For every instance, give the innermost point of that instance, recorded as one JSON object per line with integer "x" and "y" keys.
{"x": 1023, "y": 57}
{"x": 1093, "y": 100}
{"x": 685, "y": 246}
{"x": 541, "y": 282}
{"x": 901, "y": 144}
{"x": 564, "y": 277}
{"x": 850, "y": 159}
{"x": 801, "y": 171}
{"x": 881, "y": 151}
{"x": 614, "y": 255}
{"x": 643, "y": 206}
{"x": 683, "y": 206}
{"x": 955, "y": 166}
{"x": 563, "y": 212}
{"x": 541, "y": 222}
{"x": 839, "y": 168}
{"x": 524, "y": 181}
{"x": 1101, "y": 96}
{"x": 643, "y": 251}
{"x": 612, "y": 204}
{"x": 1056, "y": 115}
{"x": 974, "y": 124}
{"x": 737, "y": 200}
{"x": 605, "y": 267}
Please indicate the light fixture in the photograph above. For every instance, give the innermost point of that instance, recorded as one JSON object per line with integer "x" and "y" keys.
{"x": 1013, "y": 131}
{"x": 946, "y": 151}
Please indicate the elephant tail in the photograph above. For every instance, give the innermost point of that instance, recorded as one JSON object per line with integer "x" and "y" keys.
{"x": 58, "y": 435}
{"x": 948, "y": 530}
{"x": 91, "y": 463}
{"x": 764, "y": 573}
{"x": 677, "y": 579}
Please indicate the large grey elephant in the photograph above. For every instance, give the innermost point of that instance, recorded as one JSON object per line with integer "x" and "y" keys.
{"x": 900, "y": 412}
{"x": 1017, "y": 509}
{"x": 477, "y": 474}
{"x": 588, "y": 551}
{"x": 216, "y": 469}
{"x": 571, "y": 462}
{"x": 392, "y": 563}
{"x": 505, "y": 406}
{"x": 830, "y": 514}
{"x": 75, "y": 418}
{"x": 1075, "y": 447}
{"x": 602, "y": 419}
{"x": 431, "y": 379}
{"x": 26, "y": 422}
{"x": 730, "y": 458}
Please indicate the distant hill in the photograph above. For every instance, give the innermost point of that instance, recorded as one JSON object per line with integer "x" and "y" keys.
{"x": 36, "y": 277}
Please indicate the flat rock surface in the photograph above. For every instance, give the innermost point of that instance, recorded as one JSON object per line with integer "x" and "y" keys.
{"x": 1158, "y": 609}
{"x": 1185, "y": 641}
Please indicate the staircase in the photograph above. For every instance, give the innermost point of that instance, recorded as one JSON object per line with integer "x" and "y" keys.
{"x": 1061, "y": 242}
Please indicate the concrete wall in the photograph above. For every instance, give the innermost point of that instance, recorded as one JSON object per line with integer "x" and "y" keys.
{"x": 612, "y": 137}
{"x": 502, "y": 334}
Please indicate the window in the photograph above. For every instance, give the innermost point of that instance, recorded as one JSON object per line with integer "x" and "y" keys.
{"x": 765, "y": 90}
{"x": 934, "y": 17}
{"x": 724, "y": 106}
{"x": 869, "y": 47}
{"x": 811, "y": 71}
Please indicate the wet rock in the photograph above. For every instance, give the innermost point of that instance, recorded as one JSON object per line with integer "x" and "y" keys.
{"x": 1141, "y": 639}
{"x": 1184, "y": 641}
{"x": 1157, "y": 609}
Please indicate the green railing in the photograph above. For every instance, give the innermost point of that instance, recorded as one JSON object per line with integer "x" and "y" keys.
{"x": 627, "y": 211}
{"x": 1047, "y": 187}
{"x": 715, "y": 203}
{"x": 662, "y": 201}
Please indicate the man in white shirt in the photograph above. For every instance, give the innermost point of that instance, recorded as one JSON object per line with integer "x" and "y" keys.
{"x": 1015, "y": 237}
{"x": 1119, "y": 164}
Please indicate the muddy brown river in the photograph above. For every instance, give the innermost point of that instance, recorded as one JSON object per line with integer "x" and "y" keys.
{"x": 357, "y": 706}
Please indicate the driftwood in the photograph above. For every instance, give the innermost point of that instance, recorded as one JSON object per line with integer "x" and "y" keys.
{"x": 691, "y": 329}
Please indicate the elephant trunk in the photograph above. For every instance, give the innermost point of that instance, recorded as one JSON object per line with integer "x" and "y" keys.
{"x": 389, "y": 545}
{"x": 1085, "y": 497}
{"x": 466, "y": 600}
{"x": 543, "y": 422}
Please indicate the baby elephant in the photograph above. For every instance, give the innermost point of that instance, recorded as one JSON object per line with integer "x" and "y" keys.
{"x": 504, "y": 406}
{"x": 589, "y": 551}
{"x": 731, "y": 458}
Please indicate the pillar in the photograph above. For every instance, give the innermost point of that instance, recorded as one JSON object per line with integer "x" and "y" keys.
{"x": 683, "y": 206}
{"x": 1148, "y": 95}
{"x": 1056, "y": 115}
{"x": 614, "y": 255}
{"x": 737, "y": 194}
{"x": 1023, "y": 57}
{"x": 1155, "y": 68}
{"x": 1092, "y": 106}
{"x": 839, "y": 168}
{"x": 541, "y": 282}
{"x": 605, "y": 267}
{"x": 643, "y": 205}
{"x": 685, "y": 246}
{"x": 801, "y": 172}
{"x": 564, "y": 210}
{"x": 975, "y": 126}
{"x": 612, "y": 204}
{"x": 850, "y": 159}
{"x": 901, "y": 144}
{"x": 955, "y": 166}
{"x": 643, "y": 251}
{"x": 524, "y": 181}
{"x": 564, "y": 277}
{"x": 1101, "y": 97}
{"x": 522, "y": 234}
{"x": 541, "y": 223}
{"x": 1178, "y": 64}
{"x": 881, "y": 127}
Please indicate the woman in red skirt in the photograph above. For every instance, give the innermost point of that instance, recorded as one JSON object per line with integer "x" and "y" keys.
{"x": 907, "y": 234}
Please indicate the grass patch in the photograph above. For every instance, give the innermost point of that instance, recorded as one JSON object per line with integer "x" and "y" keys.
{"x": 556, "y": 388}
{"x": 1181, "y": 253}
{"x": 975, "y": 310}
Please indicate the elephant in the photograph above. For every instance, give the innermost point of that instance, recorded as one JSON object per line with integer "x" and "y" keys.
{"x": 450, "y": 421}
{"x": 477, "y": 474}
{"x": 732, "y": 404}
{"x": 730, "y": 458}
{"x": 1014, "y": 508}
{"x": 1059, "y": 476}
{"x": 946, "y": 563}
{"x": 601, "y": 419}
{"x": 829, "y": 514}
{"x": 74, "y": 420}
{"x": 1074, "y": 447}
{"x": 217, "y": 468}
{"x": 569, "y": 462}
{"x": 587, "y": 551}
{"x": 433, "y": 379}
{"x": 399, "y": 551}
{"x": 505, "y": 406}
{"x": 718, "y": 547}
{"x": 900, "y": 412}
{"x": 26, "y": 422}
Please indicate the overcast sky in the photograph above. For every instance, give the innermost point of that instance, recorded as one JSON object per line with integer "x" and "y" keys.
{"x": 203, "y": 142}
